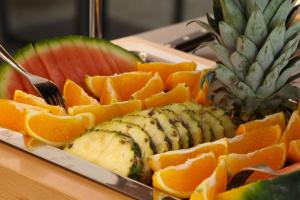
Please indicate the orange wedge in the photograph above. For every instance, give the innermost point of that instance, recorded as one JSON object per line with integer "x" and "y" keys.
{"x": 191, "y": 78}
{"x": 254, "y": 140}
{"x": 166, "y": 69}
{"x": 109, "y": 94}
{"x": 12, "y": 114}
{"x": 215, "y": 184}
{"x": 274, "y": 156}
{"x": 181, "y": 180}
{"x": 294, "y": 151}
{"x": 57, "y": 130}
{"x": 180, "y": 94}
{"x": 23, "y": 97}
{"x": 95, "y": 84}
{"x": 270, "y": 120}
{"x": 74, "y": 95}
{"x": 292, "y": 130}
{"x": 172, "y": 158}
{"x": 31, "y": 143}
{"x": 200, "y": 93}
{"x": 153, "y": 86}
{"x": 106, "y": 112}
{"x": 128, "y": 83}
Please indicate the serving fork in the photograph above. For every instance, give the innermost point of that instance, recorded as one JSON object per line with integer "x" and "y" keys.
{"x": 242, "y": 176}
{"x": 46, "y": 88}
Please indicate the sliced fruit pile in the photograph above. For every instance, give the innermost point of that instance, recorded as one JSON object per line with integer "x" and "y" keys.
{"x": 69, "y": 57}
{"x": 170, "y": 122}
{"x": 156, "y": 84}
{"x": 268, "y": 141}
{"x": 150, "y": 131}
{"x": 37, "y": 120}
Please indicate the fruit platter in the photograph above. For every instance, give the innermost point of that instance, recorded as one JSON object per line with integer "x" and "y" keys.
{"x": 179, "y": 129}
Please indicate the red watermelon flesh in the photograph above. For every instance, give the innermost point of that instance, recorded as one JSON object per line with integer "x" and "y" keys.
{"x": 90, "y": 66}
{"x": 100, "y": 61}
{"x": 16, "y": 84}
{"x": 52, "y": 68}
{"x": 98, "y": 58}
{"x": 33, "y": 63}
{"x": 20, "y": 58}
{"x": 65, "y": 62}
{"x": 113, "y": 65}
{"x": 76, "y": 63}
{"x": 74, "y": 58}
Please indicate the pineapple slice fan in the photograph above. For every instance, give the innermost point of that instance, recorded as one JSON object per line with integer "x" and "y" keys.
{"x": 256, "y": 42}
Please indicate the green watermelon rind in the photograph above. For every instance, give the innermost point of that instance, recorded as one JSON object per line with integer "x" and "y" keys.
{"x": 6, "y": 70}
{"x": 106, "y": 45}
{"x": 121, "y": 52}
{"x": 280, "y": 188}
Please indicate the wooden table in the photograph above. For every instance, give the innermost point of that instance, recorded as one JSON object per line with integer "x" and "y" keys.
{"x": 25, "y": 177}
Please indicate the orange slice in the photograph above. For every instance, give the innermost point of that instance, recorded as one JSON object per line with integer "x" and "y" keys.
{"x": 270, "y": 120}
{"x": 31, "y": 143}
{"x": 294, "y": 151}
{"x": 215, "y": 184}
{"x": 191, "y": 78}
{"x": 109, "y": 94}
{"x": 106, "y": 112}
{"x": 181, "y": 180}
{"x": 128, "y": 83}
{"x": 200, "y": 93}
{"x": 23, "y": 97}
{"x": 172, "y": 158}
{"x": 274, "y": 156}
{"x": 166, "y": 69}
{"x": 56, "y": 130}
{"x": 254, "y": 140}
{"x": 153, "y": 86}
{"x": 12, "y": 114}
{"x": 95, "y": 84}
{"x": 75, "y": 95}
{"x": 180, "y": 94}
{"x": 292, "y": 130}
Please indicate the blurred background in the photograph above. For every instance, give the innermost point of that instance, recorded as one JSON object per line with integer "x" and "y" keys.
{"x": 23, "y": 21}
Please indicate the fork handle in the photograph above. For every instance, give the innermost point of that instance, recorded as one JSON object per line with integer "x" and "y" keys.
{"x": 10, "y": 60}
{"x": 95, "y": 12}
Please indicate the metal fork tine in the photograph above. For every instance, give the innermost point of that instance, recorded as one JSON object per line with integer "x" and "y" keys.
{"x": 241, "y": 177}
{"x": 62, "y": 102}
{"x": 59, "y": 100}
{"x": 51, "y": 100}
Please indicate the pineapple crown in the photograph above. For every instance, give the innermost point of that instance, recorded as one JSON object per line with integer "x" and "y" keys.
{"x": 256, "y": 43}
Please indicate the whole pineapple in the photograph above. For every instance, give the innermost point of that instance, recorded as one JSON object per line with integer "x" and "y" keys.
{"x": 256, "y": 43}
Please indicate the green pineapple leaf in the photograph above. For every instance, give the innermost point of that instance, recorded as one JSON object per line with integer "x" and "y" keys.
{"x": 247, "y": 48}
{"x": 292, "y": 31}
{"x": 229, "y": 35}
{"x": 271, "y": 9}
{"x": 222, "y": 53}
{"x": 256, "y": 29}
{"x": 240, "y": 64}
{"x": 254, "y": 76}
{"x": 281, "y": 14}
{"x": 253, "y": 5}
{"x": 288, "y": 74}
{"x": 233, "y": 16}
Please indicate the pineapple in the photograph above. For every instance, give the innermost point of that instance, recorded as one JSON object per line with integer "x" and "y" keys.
{"x": 256, "y": 43}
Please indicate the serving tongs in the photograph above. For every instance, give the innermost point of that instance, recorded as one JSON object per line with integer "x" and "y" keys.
{"x": 46, "y": 88}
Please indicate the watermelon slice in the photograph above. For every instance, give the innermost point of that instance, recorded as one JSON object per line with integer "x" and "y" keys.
{"x": 68, "y": 57}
